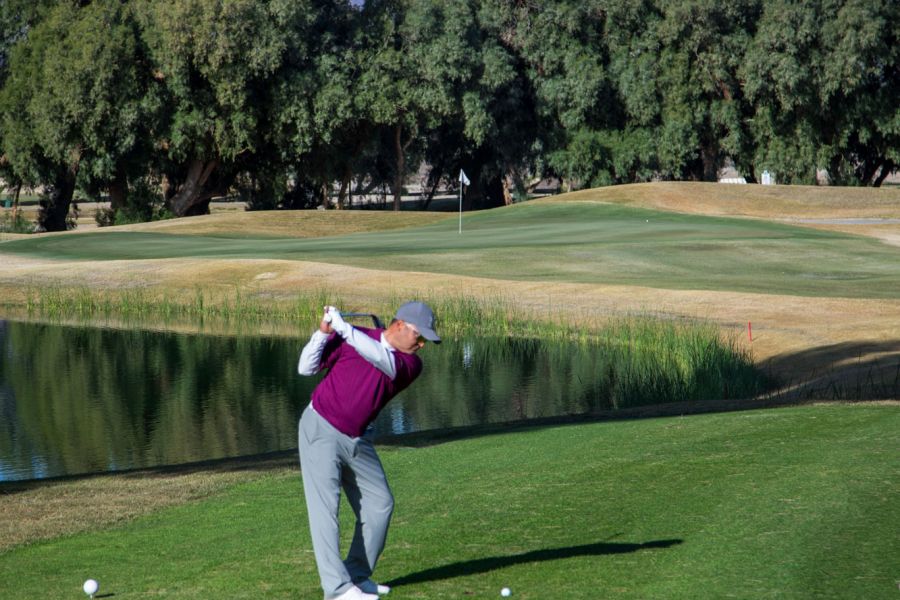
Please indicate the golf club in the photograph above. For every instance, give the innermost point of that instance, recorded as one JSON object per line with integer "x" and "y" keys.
{"x": 375, "y": 319}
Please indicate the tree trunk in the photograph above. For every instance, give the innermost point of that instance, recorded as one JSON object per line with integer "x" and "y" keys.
{"x": 57, "y": 200}
{"x": 834, "y": 171}
{"x": 168, "y": 189}
{"x": 867, "y": 169}
{"x": 531, "y": 186}
{"x": 708, "y": 155}
{"x": 16, "y": 203}
{"x": 507, "y": 190}
{"x": 193, "y": 195}
{"x": 401, "y": 165}
{"x": 118, "y": 190}
{"x": 434, "y": 186}
{"x": 345, "y": 187}
{"x": 886, "y": 169}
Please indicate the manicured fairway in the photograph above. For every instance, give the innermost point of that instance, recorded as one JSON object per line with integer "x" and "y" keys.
{"x": 570, "y": 242}
{"x": 782, "y": 503}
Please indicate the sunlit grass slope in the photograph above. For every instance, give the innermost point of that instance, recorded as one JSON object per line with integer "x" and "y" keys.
{"x": 761, "y": 201}
{"x": 555, "y": 241}
{"x": 787, "y": 503}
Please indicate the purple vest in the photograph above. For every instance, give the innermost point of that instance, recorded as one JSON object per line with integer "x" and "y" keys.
{"x": 353, "y": 391}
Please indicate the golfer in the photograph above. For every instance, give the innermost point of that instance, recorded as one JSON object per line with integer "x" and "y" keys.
{"x": 366, "y": 368}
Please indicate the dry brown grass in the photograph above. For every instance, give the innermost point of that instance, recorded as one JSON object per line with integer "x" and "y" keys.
{"x": 40, "y": 510}
{"x": 766, "y": 202}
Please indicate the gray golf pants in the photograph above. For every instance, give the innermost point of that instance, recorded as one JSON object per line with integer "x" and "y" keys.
{"x": 329, "y": 461}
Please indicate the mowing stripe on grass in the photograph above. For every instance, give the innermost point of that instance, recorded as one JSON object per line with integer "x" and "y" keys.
{"x": 558, "y": 242}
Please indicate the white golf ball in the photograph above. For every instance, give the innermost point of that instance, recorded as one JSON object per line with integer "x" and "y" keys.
{"x": 505, "y": 592}
{"x": 90, "y": 587}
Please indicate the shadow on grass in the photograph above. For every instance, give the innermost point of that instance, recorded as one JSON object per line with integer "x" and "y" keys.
{"x": 858, "y": 370}
{"x": 484, "y": 565}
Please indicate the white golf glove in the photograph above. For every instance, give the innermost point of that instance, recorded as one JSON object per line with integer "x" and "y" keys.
{"x": 333, "y": 316}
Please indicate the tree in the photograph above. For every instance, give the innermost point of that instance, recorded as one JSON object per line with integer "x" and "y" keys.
{"x": 564, "y": 61}
{"x": 17, "y": 17}
{"x": 435, "y": 81}
{"x": 824, "y": 79}
{"x": 491, "y": 130}
{"x": 35, "y": 137}
{"x": 329, "y": 128}
{"x": 675, "y": 67}
{"x": 214, "y": 62}
{"x": 77, "y": 106}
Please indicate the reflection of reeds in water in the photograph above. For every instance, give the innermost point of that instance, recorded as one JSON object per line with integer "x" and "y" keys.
{"x": 643, "y": 359}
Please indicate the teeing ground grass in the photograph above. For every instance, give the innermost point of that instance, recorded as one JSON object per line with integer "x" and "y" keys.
{"x": 572, "y": 242}
{"x": 780, "y": 503}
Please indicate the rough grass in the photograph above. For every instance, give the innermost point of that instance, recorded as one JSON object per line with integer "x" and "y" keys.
{"x": 795, "y": 503}
{"x": 47, "y": 509}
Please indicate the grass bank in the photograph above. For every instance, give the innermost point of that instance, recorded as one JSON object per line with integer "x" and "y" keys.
{"x": 795, "y": 503}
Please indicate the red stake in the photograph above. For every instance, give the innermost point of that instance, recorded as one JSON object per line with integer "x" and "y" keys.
{"x": 750, "y": 330}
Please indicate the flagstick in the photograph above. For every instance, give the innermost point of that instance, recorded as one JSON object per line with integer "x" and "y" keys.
{"x": 463, "y": 182}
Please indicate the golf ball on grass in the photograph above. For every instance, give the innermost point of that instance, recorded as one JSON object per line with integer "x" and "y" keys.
{"x": 90, "y": 587}
{"x": 505, "y": 592}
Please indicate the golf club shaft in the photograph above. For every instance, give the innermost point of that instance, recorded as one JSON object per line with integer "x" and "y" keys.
{"x": 374, "y": 318}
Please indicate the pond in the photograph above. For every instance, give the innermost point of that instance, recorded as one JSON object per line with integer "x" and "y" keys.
{"x": 76, "y": 400}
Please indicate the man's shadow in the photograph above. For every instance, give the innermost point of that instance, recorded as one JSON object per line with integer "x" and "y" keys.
{"x": 483, "y": 565}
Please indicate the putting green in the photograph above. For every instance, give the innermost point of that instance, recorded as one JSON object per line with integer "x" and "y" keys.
{"x": 565, "y": 242}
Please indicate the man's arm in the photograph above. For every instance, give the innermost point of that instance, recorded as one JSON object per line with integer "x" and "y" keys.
{"x": 311, "y": 356}
{"x": 372, "y": 350}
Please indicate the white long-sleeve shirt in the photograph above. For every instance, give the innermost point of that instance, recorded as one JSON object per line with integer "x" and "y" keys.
{"x": 378, "y": 354}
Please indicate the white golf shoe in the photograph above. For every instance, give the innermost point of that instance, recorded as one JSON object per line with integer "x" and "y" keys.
{"x": 354, "y": 593}
{"x": 370, "y": 587}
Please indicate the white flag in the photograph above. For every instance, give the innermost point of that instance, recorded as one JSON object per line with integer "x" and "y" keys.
{"x": 462, "y": 178}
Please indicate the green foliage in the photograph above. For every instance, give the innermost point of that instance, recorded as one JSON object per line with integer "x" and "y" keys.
{"x": 822, "y": 77}
{"x": 15, "y": 222}
{"x": 212, "y": 61}
{"x": 143, "y": 203}
{"x": 16, "y": 19}
{"x": 281, "y": 98}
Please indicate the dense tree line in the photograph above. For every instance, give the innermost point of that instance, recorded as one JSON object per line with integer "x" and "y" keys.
{"x": 169, "y": 103}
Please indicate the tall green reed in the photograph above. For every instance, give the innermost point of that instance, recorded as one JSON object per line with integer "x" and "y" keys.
{"x": 646, "y": 360}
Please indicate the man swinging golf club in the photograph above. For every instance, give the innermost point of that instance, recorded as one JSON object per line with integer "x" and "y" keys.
{"x": 366, "y": 368}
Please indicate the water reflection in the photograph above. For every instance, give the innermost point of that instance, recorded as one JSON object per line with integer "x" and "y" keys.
{"x": 81, "y": 400}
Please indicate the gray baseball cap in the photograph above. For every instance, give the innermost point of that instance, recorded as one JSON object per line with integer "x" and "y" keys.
{"x": 420, "y": 315}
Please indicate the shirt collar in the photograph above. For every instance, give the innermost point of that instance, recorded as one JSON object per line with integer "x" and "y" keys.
{"x": 386, "y": 344}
